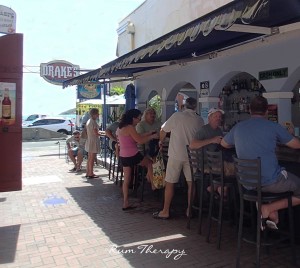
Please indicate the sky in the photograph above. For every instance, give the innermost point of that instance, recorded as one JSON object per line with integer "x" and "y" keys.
{"x": 81, "y": 32}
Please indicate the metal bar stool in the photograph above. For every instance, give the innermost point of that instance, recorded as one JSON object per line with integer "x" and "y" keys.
{"x": 248, "y": 174}
{"x": 196, "y": 161}
{"x": 119, "y": 172}
{"x": 112, "y": 164}
{"x": 219, "y": 182}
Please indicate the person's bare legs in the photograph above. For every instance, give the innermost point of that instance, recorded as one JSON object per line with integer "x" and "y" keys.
{"x": 146, "y": 162}
{"x": 79, "y": 160}
{"x": 190, "y": 194}
{"x": 271, "y": 210}
{"x": 90, "y": 164}
{"x": 117, "y": 150}
{"x": 125, "y": 185}
{"x": 72, "y": 157}
{"x": 169, "y": 192}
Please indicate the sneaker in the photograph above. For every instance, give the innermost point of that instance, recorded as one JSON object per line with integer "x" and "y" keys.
{"x": 73, "y": 169}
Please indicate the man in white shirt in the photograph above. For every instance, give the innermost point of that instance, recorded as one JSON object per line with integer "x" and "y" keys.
{"x": 183, "y": 127}
{"x": 75, "y": 147}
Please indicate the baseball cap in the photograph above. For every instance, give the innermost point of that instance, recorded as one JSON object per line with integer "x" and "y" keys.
{"x": 214, "y": 110}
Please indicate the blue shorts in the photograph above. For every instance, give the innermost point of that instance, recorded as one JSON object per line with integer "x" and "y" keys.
{"x": 132, "y": 160}
{"x": 75, "y": 151}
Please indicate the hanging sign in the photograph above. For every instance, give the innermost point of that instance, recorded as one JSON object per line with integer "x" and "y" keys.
{"x": 272, "y": 74}
{"x": 56, "y": 72}
{"x": 89, "y": 91}
{"x": 7, "y": 20}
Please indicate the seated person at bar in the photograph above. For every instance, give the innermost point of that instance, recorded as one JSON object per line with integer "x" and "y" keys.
{"x": 210, "y": 136}
{"x": 149, "y": 124}
{"x": 75, "y": 147}
{"x": 257, "y": 137}
{"x": 110, "y": 132}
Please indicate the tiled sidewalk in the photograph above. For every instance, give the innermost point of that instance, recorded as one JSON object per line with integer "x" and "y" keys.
{"x": 61, "y": 220}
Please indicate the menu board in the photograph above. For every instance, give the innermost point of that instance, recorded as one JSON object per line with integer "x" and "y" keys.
{"x": 273, "y": 112}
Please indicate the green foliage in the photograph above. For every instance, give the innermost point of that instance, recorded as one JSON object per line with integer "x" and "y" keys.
{"x": 117, "y": 91}
{"x": 156, "y": 105}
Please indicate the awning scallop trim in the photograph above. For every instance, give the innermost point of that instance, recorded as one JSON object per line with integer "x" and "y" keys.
{"x": 236, "y": 12}
{"x": 245, "y": 12}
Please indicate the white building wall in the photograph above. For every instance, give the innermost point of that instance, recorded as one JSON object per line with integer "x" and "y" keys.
{"x": 155, "y": 18}
{"x": 276, "y": 52}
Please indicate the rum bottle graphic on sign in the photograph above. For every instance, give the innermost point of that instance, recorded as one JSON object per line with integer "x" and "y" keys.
{"x": 6, "y": 105}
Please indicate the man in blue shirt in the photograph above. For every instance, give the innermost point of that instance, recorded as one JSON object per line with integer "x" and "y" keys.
{"x": 258, "y": 137}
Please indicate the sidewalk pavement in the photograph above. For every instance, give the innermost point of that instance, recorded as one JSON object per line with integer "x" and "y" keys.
{"x": 61, "y": 220}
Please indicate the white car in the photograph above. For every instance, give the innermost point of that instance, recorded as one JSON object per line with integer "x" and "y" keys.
{"x": 56, "y": 124}
{"x": 31, "y": 118}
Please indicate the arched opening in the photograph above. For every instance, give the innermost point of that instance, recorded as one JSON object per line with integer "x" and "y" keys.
{"x": 154, "y": 101}
{"x": 235, "y": 98}
{"x": 187, "y": 90}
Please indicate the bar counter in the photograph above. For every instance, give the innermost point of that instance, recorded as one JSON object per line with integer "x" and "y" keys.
{"x": 289, "y": 159}
{"x": 287, "y": 154}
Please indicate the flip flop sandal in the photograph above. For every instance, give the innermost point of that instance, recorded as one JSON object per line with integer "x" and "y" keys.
{"x": 266, "y": 223}
{"x": 157, "y": 217}
{"x": 92, "y": 177}
{"x": 129, "y": 208}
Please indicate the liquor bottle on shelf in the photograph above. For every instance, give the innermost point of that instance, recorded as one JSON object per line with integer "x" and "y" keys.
{"x": 237, "y": 104}
{"x": 246, "y": 84}
{"x": 241, "y": 84}
{"x": 232, "y": 86}
{"x": 6, "y": 105}
{"x": 221, "y": 102}
{"x": 248, "y": 104}
{"x": 233, "y": 104}
{"x": 223, "y": 91}
{"x": 241, "y": 105}
{"x": 236, "y": 85}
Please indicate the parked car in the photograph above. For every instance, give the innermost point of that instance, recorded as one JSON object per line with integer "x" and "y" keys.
{"x": 31, "y": 118}
{"x": 61, "y": 125}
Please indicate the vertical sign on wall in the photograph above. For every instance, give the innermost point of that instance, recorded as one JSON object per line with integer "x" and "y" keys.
{"x": 8, "y": 103}
{"x": 204, "y": 89}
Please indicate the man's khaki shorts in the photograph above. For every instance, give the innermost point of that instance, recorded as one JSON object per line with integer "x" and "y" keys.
{"x": 174, "y": 168}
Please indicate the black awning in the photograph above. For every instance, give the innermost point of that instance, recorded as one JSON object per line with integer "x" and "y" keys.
{"x": 233, "y": 24}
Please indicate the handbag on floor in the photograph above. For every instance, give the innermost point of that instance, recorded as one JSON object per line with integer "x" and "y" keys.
{"x": 159, "y": 172}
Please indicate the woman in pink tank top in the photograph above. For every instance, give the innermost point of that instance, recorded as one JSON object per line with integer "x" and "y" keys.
{"x": 129, "y": 154}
